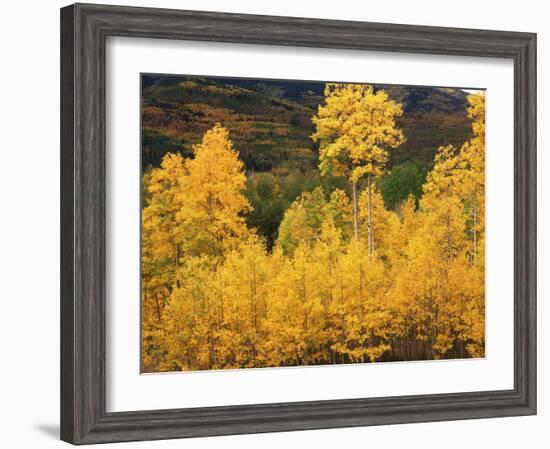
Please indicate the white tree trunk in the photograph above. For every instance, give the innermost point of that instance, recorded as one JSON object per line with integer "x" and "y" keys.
{"x": 474, "y": 226}
{"x": 370, "y": 230}
{"x": 354, "y": 191}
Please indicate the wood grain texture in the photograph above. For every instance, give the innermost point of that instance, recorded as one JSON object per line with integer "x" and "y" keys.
{"x": 84, "y": 29}
{"x": 67, "y": 225}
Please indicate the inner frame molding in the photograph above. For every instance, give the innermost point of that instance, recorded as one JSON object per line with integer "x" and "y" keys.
{"x": 84, "y": 29}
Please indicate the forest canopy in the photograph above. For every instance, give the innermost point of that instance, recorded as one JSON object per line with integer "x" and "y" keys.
{"x": 336, "y": 251}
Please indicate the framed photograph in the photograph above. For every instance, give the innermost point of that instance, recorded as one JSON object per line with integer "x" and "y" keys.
{"x": 273, "y": 224}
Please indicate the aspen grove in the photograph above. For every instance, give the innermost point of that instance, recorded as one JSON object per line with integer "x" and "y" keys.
{"x": 346, "y": 281}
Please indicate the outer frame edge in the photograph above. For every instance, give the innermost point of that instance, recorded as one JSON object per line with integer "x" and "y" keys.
{"x": 83, "y": 418}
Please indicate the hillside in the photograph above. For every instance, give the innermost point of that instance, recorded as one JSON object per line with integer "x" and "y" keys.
{"x": 270, "y": 121}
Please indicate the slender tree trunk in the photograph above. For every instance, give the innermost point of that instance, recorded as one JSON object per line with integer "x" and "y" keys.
{"x": 361, "y": 301}
{"x": 254, "y": 313}
{"x": 177, "y": 263}
{"x": 304, "y": 299}
{"x": 158, "y": 308}
{"x": 474, "y": 225}
{"x": 212, "y": 348}
{"x": 370, "y": 236}
{"x": 221, "y": 302}
{"x": 354, "y": 191}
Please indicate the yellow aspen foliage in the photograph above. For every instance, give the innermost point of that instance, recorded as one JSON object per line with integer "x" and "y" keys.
{"x": 347, "y": 280}
{"x": 211, "y": 197}
{"x": 363, "y": 312}
{"x": 302, "y": 221}
{"x": 399, "y": 230}
{"x": 160, "y": 239}
{"x": 381, "y": 220}
{"x": 160, "y": 248}
{"x": 195, "y": 209}
{"x": 339, "y": 210}
{"x": 460, "y": 172}
{"x": 355, "y": 128}
{"x": 439, "y": 286}
{"x": 423, "y": 284}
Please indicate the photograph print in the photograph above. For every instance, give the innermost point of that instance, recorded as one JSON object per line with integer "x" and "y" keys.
{"x": 289, "y": 223}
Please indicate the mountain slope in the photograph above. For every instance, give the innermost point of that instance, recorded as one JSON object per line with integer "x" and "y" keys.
{"x": 270, "y": 121}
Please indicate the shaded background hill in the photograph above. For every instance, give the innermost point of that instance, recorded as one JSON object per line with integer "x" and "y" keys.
{"x": 270, "y": 121}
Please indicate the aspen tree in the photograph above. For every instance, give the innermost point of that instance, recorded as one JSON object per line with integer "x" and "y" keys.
{"x": 160, "y": 251}
{"x": 460, "y": 172}
{"x": 211, "y": 216}
{"x": 356, "y": 127}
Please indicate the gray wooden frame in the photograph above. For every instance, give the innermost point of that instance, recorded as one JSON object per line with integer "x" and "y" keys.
{"x": 84, "y": 29}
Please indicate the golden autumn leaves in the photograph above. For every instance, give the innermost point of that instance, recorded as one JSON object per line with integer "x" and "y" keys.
{"x": 355, "y": 127}
{"x": 347, "y": 280}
